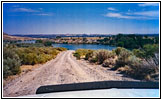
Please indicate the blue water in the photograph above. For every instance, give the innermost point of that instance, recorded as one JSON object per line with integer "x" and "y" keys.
{"x": 84, "y": 46}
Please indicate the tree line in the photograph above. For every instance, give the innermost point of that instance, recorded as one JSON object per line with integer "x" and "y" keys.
{"x": 130, "y": 41}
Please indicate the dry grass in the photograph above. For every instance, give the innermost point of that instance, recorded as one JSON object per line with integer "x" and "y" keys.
{"x": 26, "y": 68}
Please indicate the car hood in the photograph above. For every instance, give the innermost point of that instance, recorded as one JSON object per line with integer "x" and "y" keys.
{"x": 102, "y": 93}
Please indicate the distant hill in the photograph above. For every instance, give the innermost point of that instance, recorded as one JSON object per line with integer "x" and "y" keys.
{"x": 5, "y": 33}
{"x": 75, "y": 35}
{"x": 154, "y": 35}
{"x": 62, "y": 35}
{"x": 14, "y": 38}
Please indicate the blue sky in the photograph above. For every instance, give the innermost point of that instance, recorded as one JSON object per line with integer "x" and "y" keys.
{"x": 79, "y": 18}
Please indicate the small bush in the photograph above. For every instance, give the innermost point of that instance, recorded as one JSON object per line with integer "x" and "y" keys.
{"x": 93, "y": 60}
{"x": 41, "y": 58}
{"x": 125, "y": 70}
{"x": 150, "y": 53}
{"x": 138, "y": 53}
{"x": 81, "y": 53}
{"x": 123, "y": 58}
{"x": 138, "y": 69}
{"x": 109, "y": 63}
{"x": 150, "y": 50}
{"x": 61, "y": 49}
{"x": 11, "y": 62}
{"x": 77, "y": 55}
{"x": 102, "y": 55}
{"x": 133, "y": 60}
{"x": 30, "y": 59}
{"x": 118, "y": 50}
{"x": 89, "y": 54}
{"x": 143, "y": 71}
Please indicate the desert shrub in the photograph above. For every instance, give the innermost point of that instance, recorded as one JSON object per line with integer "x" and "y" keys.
{"x": 11, "y": 62}
{"x": 138, "y": 53}
{"x": 41, "y": 58}
{"x": 133, "y": 60}
{"x": 129, "y": 64}
{"x": 142, "y": 71}
{"x": 28, "y": 55}
{"x": 81, "y": 53}
{"x": 36, "y": 55}
{"x": 60, "y": 48}
{"x": 102, "y": 55}
{"x": 89, "y": 54}
{"x": 29, "y": 59}
{"x": 149, "y": 53}
{"x": 77, "y": 55}
{"x": 109, "y": 63}
{"x": 93, "y": 60}
{"x": 30, "y": 45}
{"x": 125, "y": 69}
{"x": 139, "y": 69}
{"x": 118, "y": 50}
{"x": 150, "y": 50}
{"x": 123, "y": 58}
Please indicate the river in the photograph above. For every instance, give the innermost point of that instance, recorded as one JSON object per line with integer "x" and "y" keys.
{"x": 84, "y": 46}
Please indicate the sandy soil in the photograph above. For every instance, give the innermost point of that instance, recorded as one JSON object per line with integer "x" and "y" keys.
{"x": 63, "y": 69}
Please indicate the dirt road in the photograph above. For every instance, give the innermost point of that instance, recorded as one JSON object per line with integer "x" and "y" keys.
{"x": 63, "y": 69}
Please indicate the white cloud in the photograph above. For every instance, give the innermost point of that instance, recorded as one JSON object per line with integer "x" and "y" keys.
{"x": 24, "y": 10}
{"x": 113, "y": 9}
{"x": 117, "y": 15}
{"x": 148, "y": 4}
{"x": 37, "y": 12}
{"x": 147, "y": 13}
{"x": 44, "y": 14}
{"x": 135, "y": 15}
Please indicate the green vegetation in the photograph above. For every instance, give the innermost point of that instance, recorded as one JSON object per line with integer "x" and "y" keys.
{"x": 60, "y": 49}
{"x": 137, "y": 67}
{"x": 109, "y": 63}
{"x": 129, "y": 41}
{"x": 139, "y": 63}
{"x": 14, "y": 57}
{"x": 38, "y": 41}
{"x": 35, "y": 55}
{"x": 29, "y": 44}
{"x": 11, "y": 62}
{"x": 81, "y": 53}
{"x": 149, "y": 53}
{"x": 123, "y": 57}
{"x": 47, "y": 43}
{"x": 102, "y": 55}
